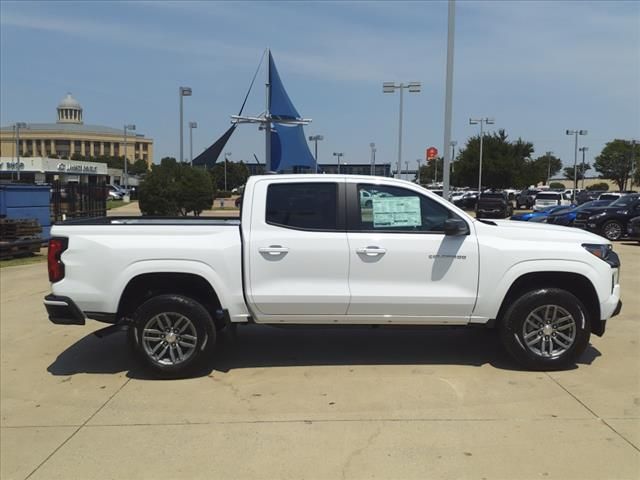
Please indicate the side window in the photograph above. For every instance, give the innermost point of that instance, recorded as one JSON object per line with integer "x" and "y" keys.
{"x": 308, "y": 206}
{"x": 394, "y": 209}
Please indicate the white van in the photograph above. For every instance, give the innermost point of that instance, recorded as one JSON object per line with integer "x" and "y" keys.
{"x": 545, "y": 200}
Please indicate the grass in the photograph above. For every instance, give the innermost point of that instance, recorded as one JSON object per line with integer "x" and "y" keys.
{"x": 111, "y": 204}
{"x": 26, "y": 260}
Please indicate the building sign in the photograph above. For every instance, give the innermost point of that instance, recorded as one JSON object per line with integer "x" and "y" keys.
{"x": 77, "y": 168}
{"x": 52, "y": 165}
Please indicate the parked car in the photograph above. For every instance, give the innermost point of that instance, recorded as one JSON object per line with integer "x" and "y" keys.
{"x": 549, "y": 199}
{"x": 114, "y": 193}
{"x": 588, "y": 195}
{"x": 468, "y": 201}
{"x": 633, "y": 229}
{"x": 567, "y": 217}
{"x": 493, "y": 205}
{"x": 610, "y": 221}
{"x": 526, "y": 198}
{"x": 305, "y": 251}
{"x": 528, "y": 216}
{"x": 610, "y": 196}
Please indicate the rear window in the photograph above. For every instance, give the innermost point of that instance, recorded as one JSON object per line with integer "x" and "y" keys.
{"x": 548, "y": 196}
{"x": 307, "y": 206}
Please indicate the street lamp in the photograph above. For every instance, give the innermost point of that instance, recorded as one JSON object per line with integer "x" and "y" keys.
{"x": 575, "y": 133}
{"x": 131, "y": 128}
{"x": 418, "y": 171}
{"x": 391, "y": 87}
{"x": 373, "y": 158}
{"x": 226, "y": 159}
{"x": 338, "y": 154}
{"x": 183, "y": 92}
{"x": 17, "y": 127}
{"x": 482, "y": 122}
{"x": 583, "y": 150}
{"x": 406, "y": 170}
{"x": 316, "y": 139}
{"x": 192, "y": 125}
{"x": 549, "y": 153}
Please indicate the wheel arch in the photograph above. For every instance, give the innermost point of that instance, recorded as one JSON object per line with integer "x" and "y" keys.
{"x": 144, "y": 286}
{"x": 574, "y": 283}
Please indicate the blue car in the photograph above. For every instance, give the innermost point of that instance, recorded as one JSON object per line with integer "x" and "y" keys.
{"x": 567, "y": 218}
{"x": 540, "y": 215}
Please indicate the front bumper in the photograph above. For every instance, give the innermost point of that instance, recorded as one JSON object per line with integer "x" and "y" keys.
{"x": 63, "y": 310}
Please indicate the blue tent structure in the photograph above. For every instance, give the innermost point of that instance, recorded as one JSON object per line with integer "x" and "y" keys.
{"x": 286, "y": 148}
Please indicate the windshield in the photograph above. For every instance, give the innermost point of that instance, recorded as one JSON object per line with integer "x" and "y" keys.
{"x": 624, "y": 201}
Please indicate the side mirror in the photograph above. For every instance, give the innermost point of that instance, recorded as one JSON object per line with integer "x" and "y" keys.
{"x": 455, "y": 226}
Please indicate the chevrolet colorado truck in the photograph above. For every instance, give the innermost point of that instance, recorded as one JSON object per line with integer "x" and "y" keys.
{"x": 333, "y": 250}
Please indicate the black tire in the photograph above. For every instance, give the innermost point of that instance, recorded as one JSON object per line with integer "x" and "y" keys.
{"x": 612, "y": 230}
{"x": 171, "y": 311}
{"x": 518, "y": 317}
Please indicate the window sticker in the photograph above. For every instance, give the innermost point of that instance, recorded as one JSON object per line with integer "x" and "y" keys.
{"x": 396, "y": 212}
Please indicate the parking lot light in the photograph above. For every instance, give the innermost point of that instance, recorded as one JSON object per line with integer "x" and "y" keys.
{"x": 575, "y": 133}
{"x": 482, "y": 121}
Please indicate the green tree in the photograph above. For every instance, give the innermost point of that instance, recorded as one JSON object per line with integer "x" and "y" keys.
{"x": 615, "y": 162}
{"x": 173, "y": 188}
{"x": 427, "y": 172}
{"x": 505, "y": 164}
{"x": 599, "y": 186}
{"x": 548, "y": 166}
{"x": 237, "y": 174}
{"x": 139, "y": 167}
{"x": 568, "y": 171}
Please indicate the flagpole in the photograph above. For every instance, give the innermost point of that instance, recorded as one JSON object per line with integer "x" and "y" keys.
{"x": 267, "y": 116}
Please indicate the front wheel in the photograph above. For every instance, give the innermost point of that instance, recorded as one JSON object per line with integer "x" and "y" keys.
{"x": 171, "y": 334}
{"x": 546, "y": 329}
{"x": 612, "y": 230}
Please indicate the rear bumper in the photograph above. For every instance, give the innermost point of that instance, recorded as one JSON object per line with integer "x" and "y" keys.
{"x": 63, "y": 311}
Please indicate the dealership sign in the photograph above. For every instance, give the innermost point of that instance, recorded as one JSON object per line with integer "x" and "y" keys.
{"x": 52, "y": 165}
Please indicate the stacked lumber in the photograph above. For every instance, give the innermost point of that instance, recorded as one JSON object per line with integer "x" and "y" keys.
{"x": 19, "y": 237}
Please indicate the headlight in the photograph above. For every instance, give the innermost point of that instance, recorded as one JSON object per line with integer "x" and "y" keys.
{"x": 597, "y": 215}
{"x": 603, "y": 252}
{"x": 600, "y": 251}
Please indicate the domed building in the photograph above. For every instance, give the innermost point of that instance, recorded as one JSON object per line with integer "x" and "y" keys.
{"x": 70, "y": 138}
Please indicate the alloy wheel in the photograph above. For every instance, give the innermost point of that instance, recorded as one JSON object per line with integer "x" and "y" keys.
{"x": 169, "y": 338}
{"x": 549, "y": 331}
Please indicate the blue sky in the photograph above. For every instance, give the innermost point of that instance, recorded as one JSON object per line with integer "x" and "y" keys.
{"x": 538, "y": 68}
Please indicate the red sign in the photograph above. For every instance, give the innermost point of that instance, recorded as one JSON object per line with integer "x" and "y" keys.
{"x": 432, "y": 152}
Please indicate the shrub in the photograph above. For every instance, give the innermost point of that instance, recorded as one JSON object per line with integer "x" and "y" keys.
{"x": 556, "y": 185}
{"x": 599, "y": 186}
{"x": 223, "y": 194}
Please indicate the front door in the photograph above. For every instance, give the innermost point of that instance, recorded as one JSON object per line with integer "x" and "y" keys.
{"x": 297, "y": 250}
{"x": 404, "y": 269}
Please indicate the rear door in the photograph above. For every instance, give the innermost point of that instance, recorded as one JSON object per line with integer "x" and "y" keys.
{"x": 404, "y": 269}
{"x": 297, "y": 251}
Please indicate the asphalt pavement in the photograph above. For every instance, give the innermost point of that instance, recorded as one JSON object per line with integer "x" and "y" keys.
{"x": 314, "y": 404}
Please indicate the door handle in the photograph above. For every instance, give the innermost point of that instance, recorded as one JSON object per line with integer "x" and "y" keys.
{"x": 371, "y": 251}
{"x": 274, "y": 250}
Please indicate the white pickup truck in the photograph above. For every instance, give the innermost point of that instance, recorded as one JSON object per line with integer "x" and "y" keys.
{"x": 336, "y": 250}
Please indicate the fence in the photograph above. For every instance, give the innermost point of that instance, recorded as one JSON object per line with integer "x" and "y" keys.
{"x": 71, "y": 200}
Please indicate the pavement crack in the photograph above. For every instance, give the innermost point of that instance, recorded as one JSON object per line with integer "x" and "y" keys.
{"x": 592, "y": 412}
{"x": 358, "y": 451}
{"x": 78, "y": 429}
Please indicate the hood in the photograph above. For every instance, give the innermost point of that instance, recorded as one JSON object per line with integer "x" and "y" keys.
{"x": 539, "y": 232}
{"x": 594, "y": 210}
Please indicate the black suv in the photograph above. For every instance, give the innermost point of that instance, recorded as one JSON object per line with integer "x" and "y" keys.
{"x": 493, "y": 205}
{"x": 526, "y": 199}
{"x": 610, "y": 221}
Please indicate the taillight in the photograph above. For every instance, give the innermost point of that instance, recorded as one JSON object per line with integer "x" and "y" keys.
{"x": 57, "y": 245}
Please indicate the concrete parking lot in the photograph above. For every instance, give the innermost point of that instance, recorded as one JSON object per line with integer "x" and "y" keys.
{"x": 316, "y": 404}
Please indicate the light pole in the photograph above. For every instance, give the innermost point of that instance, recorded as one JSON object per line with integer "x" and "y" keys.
{"x": 448, "y": 102}
{"x": 339, "y": 155}
{"x": 453, "y": 144}
{"x": 132, "y": 128}
{"x": 482, "y": 122}
{"x": 183, "y": 92}
{"x": 316, "y": 139}
{"x": 406, "y": 169}
{"x": 575, "y": 133}
{"x": 418, "y": 171}
{"x": 226, "y": 159}
{"x": 18, "y": 126}
{"x": 192, "y": 125}
{"x": 373, "y": 158}
{"x": 583, "y": 150}
{"x": 549, "y": 153}
{"x": 391, "y": 87}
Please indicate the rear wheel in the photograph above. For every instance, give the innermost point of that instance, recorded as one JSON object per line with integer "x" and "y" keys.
{"x": 612, "y": 230}
{"x": 171, "y": 334}
{"x": 546, "y": 329}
